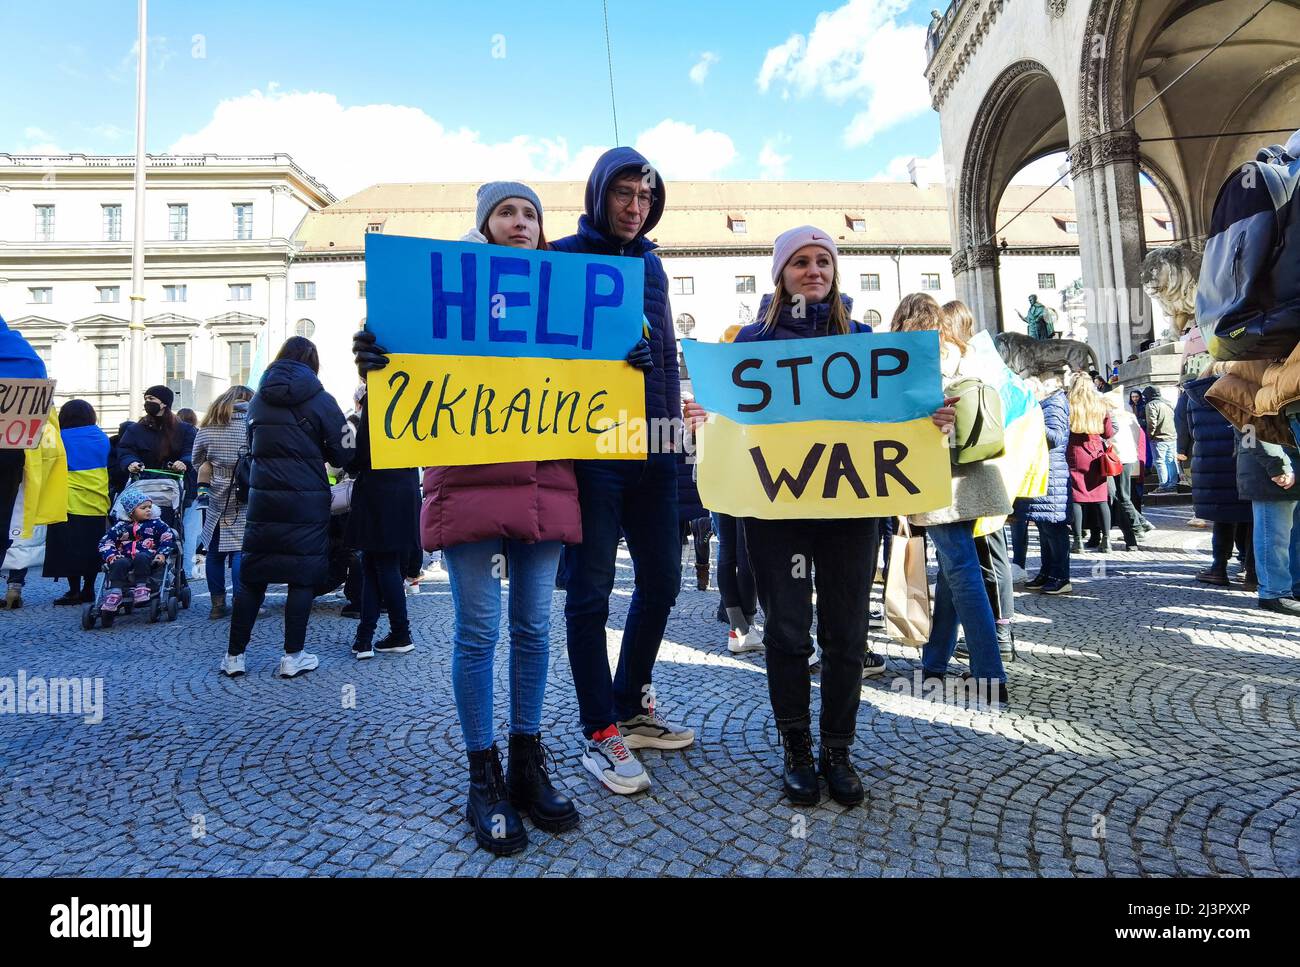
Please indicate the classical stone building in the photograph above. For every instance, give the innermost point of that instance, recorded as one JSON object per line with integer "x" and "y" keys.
{"x": 1014, "y": 80}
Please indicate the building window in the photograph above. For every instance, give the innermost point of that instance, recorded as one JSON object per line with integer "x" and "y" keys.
{"x": 305, "y": 328}
{"x": 738, "y": 225}
{"x": 41, "y": 295}
{"x": 44, "y": 223}
{"x": 106, "y": 369}
{"x": 178, "y": 222}
{"x": 1072, "y": 228}
{"x": 872, "y": 318}
{"x": 856, "y": 224}
{"x": 745, "y": 283}
{"x": 685, "y": 324}
{"x": 46, "y": 351}
{"x": 373, "y": 227}
{"x": 241, "y": 292}
{"x": 870, "y": 282}
{"x": 109, "y": 293}
{"x": 112, "y": 223}
{"x": 241, "y": 356}
{"x": 1047, "y": 280}
{"x": 304, "y": 291}
{"x": 683, "y": 285}
{"x": 361, "y": 288}
{"x": 243, "y": 221}
{"x": 174, "y": 293}
{"x": 930, "y": 281}
{"x": 173, "y": 362}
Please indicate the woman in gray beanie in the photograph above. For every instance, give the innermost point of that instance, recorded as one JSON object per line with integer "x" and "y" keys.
{"x": 491, "y": 520}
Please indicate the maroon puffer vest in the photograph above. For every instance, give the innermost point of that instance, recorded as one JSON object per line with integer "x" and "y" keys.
{"x": 528, "y": 501}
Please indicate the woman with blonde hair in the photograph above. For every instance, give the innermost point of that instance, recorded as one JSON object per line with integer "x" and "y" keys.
{"x": 977, "y": 491}
{"x": 1090, "y": 428}
{"x": 222, "y": 434}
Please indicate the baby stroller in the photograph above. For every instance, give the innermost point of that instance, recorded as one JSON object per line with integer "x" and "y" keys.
{"x": 169, "y": 589}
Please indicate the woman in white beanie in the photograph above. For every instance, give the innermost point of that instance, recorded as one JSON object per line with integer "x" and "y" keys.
{"x": 839, "y": 554}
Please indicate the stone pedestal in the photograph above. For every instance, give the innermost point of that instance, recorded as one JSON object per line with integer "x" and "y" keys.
{"x": 1160, "y": 366}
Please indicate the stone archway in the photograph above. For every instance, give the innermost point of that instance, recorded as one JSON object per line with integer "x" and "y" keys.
{"x": 1021, "y": 118}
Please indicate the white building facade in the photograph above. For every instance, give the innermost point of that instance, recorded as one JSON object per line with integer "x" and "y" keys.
{"x": 218, "y": 247}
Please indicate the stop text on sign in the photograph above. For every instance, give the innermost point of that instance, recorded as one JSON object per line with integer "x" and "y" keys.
{"x": 867, "y": 377}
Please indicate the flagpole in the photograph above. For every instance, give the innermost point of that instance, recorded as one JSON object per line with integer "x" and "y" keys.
{"x": 136, "y": 387}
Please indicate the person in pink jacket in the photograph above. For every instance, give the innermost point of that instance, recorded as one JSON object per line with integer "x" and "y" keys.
{"x": 492, "y": 521}
{"x": 1090, "y": 428}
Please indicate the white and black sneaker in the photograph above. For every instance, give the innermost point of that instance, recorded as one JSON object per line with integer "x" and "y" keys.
{"x": 751, "y": 640}
{"x": 876, "y": 618}
{"x": 232, "y": 665}
{"x": 652, "y": 731}
{"x": 873, "y": 665}
{"x": 607, "y": 757}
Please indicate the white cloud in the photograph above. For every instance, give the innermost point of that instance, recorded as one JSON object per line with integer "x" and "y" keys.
{"x": 1044, "y": 171}
{"x": 896, "y": 169}
{"x": 701, "y": 69}
{"x": 38, "y": 141}
{"x": 858, "y": 52}
{"x": 350, "y": 148}
{"x": 109, "y": 132}
{"x": 770, "y": 160}
{"x": 678, "y": 150}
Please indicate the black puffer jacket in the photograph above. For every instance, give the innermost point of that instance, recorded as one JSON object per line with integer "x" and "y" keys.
{"x": 385, "y": 513}
{"x": 294, "y": 427}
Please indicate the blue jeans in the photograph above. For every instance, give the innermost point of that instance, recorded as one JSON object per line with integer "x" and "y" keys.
{"x": 193, "y": 526}
{"x": 476, "y": 571}
{"x": 960, "y": 598}
{"x": 637, "y": 498}
{"x": 1020, "y": 539}
{"x": 214, "y": 566}
{"x": 1054, "y": 550}
{"x": 1277, "y": 547}
{"x": 1166, "y": 464}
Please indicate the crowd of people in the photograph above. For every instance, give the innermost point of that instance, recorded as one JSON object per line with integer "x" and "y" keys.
{"x": 281, "y": 490}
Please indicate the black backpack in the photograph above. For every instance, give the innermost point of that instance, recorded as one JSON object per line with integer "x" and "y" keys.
{"x": 1248, "y": 294}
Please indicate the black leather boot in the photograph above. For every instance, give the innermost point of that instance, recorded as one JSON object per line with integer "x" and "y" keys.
{"x": 841, "y": 778}
{"x": 800, "y": 776}
{"x": 529, "y": 785}
{"x": 496, "y": 824}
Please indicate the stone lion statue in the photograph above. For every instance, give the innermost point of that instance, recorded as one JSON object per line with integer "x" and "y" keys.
{"x": 1029, "y": 357}
{"x": 1169, "y": 276}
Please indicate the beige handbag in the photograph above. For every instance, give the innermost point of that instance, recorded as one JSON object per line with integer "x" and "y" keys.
{"x": 907, "y": 588}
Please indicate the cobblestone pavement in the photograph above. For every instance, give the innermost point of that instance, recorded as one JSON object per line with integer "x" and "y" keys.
{"x": 1153, "y": 732}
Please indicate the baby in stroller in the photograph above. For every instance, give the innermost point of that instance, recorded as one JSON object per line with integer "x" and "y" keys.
{"x": 132, "y": 547}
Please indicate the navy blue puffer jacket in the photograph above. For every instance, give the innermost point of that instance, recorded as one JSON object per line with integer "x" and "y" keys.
{"x": 663, "y": 395}
{"x": 1052, "y": 507}
{"x": 1214, "y": 467}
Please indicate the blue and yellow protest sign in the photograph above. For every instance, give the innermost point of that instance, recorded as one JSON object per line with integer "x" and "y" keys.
{"x": 835, "y": 427}
{"x": 500, "y": 354}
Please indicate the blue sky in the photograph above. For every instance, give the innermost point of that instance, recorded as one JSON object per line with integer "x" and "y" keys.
{"x": 397, "y": 90}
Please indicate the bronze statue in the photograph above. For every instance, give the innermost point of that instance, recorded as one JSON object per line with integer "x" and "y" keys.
{"x": 1028, "y": 357}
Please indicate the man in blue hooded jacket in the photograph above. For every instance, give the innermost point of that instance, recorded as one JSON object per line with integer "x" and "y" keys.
{"x": 634, "y": 498}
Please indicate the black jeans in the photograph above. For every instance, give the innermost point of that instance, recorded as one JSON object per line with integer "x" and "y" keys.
{"x": 789, "y": 557}
{"x": 382, "y": 582}
{"x": 134, "y": 570}
{"x": 995, "y": 563}
{"x": 1126, "y": 513}
{"x": 1226, "y": 536}
{"x": 735, "y": 577}
{"x": 248, "y": 600}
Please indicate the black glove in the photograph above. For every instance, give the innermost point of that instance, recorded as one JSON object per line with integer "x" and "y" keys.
{"x": 641, "y": 356}
{"x": 368, "y": 355}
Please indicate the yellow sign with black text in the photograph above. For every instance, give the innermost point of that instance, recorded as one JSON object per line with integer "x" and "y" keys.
{"x": 434, "y": 410}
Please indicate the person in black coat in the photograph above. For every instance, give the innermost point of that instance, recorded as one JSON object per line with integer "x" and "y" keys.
{"x": 384, "y": 515}
{"x": 693, "y": 520}
{"x": 1205, "y": 440}
{"x": 159, "y": 441}
{"x": 294, "y": 427}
